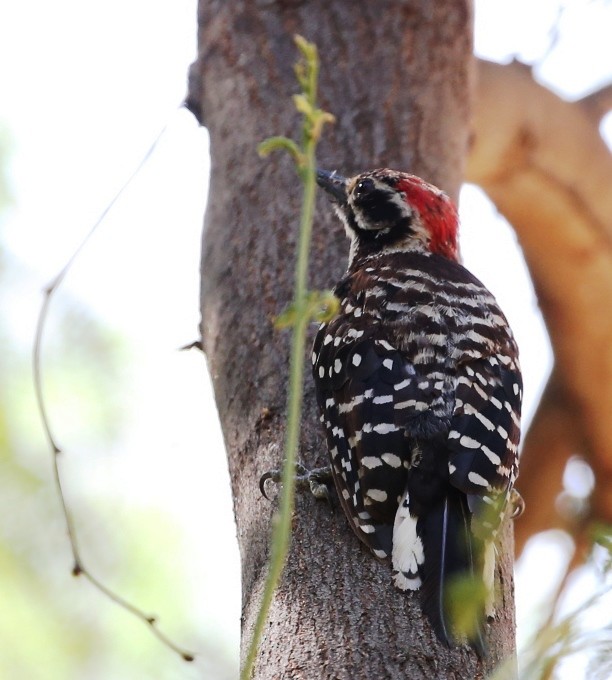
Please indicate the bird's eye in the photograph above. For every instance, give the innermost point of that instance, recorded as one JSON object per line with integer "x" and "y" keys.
{"x": 363, "y": 187}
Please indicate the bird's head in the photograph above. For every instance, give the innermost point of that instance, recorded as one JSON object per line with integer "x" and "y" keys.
{"x": 386, "y": 210}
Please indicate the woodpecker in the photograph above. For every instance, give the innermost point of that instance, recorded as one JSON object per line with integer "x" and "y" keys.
{"x": 419, "y": 389}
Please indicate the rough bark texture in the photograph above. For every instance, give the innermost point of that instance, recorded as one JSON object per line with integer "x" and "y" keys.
{"x": 397, "y": 78}
{"x": 544, "y": 164}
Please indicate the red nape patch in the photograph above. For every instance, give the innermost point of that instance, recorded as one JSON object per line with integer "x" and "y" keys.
{"x": 437, "y": 211}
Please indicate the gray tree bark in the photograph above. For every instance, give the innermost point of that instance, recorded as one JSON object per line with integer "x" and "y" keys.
{"x": 397, "y": 76}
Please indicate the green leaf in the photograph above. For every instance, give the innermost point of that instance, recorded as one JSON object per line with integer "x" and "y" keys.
{"x": 286, "y": 319}
{"x": 323, "y": 305}
{"x": 466, "y": 598}
{"x": 271, "y": 144}
{"x": 303, "y": 105}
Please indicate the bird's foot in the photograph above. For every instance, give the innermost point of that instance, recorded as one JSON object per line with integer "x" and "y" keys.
{"x": 316, "y": 481}
{"x": 516, "y": 503}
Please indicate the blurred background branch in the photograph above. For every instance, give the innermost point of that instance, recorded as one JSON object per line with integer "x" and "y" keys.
{"x": 544, "y": 164}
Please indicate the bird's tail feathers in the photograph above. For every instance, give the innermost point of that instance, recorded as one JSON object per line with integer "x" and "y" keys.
{"x": 454, "y": 592}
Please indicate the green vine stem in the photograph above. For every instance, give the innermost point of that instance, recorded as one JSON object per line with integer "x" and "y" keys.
{"x": 307, "y": 305}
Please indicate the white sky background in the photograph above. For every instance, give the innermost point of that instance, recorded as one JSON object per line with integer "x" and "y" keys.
{"x": 85, "y": 89}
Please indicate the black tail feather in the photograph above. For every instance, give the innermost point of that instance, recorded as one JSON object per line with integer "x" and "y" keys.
{"x": 453, "y": 559}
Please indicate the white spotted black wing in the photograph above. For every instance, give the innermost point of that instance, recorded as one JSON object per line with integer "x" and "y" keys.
{"x": 420, "y": 361}
{"x": 484, "y": 436}
{"x": 360, "y": 378}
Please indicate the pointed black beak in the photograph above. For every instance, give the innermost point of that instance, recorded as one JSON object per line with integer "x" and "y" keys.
{"x": 334, "y": 184}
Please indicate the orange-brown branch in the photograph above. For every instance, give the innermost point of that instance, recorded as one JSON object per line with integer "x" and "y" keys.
{"x": 597, "y": 104}
{"x": 543, "y": 163}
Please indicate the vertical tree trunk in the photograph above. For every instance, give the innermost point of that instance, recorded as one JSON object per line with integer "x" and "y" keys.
{"x": 397, "y": 77}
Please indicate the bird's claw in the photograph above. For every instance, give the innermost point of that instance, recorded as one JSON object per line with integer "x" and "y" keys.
{"x": 517, "y": 504}
{"x": 273, "y": 475}
{"x": 316, "y": 481}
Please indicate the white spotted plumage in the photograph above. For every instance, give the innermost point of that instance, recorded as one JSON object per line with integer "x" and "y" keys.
{"x": 424, "y": 399}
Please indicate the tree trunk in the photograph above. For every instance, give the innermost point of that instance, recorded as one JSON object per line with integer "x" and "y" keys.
{"x": 397, "y": 77}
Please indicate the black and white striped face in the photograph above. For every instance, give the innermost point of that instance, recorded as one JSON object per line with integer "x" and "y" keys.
{"x": 389, "y": 210}
{"x": 368, "y": 202}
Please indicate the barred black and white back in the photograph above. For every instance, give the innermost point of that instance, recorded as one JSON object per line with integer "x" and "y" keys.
{"x": 419, "y": 388}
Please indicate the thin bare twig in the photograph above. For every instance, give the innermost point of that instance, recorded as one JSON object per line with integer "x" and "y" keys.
{"x": 79, "y": 568}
